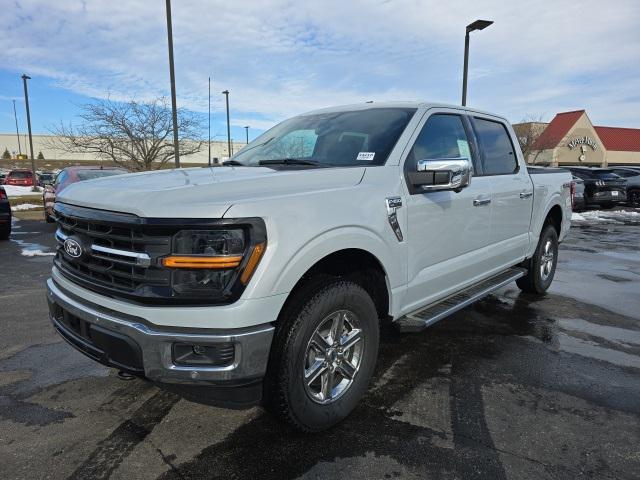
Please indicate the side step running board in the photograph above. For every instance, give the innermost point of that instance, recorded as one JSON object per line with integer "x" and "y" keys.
{"x": 426, "y": 316}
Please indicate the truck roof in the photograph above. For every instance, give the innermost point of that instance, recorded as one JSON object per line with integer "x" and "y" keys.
{"x": 398, "y": 104}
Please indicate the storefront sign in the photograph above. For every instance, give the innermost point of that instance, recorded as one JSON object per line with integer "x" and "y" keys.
{"x": 582, "y": 141}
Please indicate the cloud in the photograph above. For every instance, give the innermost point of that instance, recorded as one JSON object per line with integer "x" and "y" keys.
{"x": 280, "y": 58}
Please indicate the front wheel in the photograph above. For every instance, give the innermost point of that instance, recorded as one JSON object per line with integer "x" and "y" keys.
{"x": 323, "y": 354}
{"x": 5, "y": 231}
{"x": 541, "y": 268}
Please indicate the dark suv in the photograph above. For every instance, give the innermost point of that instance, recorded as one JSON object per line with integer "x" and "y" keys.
{"x": 5, "y": 215}
{"x": 602, "y": 187}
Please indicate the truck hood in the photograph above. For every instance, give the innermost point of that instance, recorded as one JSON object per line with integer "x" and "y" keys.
{"x": 202, "y": 192}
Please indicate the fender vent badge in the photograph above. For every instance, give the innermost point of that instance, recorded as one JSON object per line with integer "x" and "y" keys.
{"x": 393, "y": 204}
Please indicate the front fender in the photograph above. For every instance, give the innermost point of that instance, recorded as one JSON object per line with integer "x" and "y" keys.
{"x": 332, "y": 241}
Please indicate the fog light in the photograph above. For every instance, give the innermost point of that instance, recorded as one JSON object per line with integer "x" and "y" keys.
{"x": 214, "y": 355}
{"x": 199, "y": 350}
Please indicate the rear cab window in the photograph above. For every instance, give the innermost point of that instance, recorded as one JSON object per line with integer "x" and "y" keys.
{"x": 498, "y": 153}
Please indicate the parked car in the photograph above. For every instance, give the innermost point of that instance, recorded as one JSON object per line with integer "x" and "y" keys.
{"x": 5, "y": 215}
{"x": 602, "y": 187}
{"x": 632, "y": 175}
{"x": 68, "y": 176}
{"x": 579, "y": 202}
{"x": 266, "y": 281}
{"x": 20, "y": 177}
{"x": 46, "y": 178}
{"x": 3, "y": 175}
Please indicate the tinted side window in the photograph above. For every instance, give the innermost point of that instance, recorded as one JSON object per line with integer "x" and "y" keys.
{"x": 499, "y": 155}
{"x": 443, "y": 136}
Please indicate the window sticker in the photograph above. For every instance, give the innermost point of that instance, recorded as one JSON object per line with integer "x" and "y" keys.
{"x": 367, "y": 156}
{"x": 463, "y": 148}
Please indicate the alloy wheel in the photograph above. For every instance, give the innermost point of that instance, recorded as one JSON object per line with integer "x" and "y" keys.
{"x": 333, "y": 356}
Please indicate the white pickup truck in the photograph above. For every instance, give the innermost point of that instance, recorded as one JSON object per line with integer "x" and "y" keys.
{"x": 266, "y": 281}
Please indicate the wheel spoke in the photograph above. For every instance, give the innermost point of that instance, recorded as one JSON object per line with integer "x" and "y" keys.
{"x": 314, "y": 371}
{"x": 320, "y": 342}
{"x": 337, "y": 326}
{"x": 347, "y": 369}
{"x": 327, "y": 384}
{"x": 349, "y": 340}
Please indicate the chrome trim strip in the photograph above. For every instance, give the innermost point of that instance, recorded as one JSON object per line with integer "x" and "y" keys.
{"x": 142, "y": 259}
{"x": 60, "y": 235}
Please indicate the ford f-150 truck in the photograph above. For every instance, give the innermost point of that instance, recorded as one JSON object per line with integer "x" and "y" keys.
{"x": 266, "y": 281}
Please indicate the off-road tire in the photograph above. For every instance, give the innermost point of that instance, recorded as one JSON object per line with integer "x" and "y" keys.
{"x": 285, "y": 394}
{"x": 533, "y": 281}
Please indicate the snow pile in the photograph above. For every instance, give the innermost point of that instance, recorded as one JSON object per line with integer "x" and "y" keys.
{"x": 25, "y": 206}
{"x": 35, "y": 253}
{"x": 606, "y": 216}
{"x": 17, "y": 191}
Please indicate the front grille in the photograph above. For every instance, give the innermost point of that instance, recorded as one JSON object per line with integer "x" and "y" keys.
{"x": 120, "y": 258}
{"x": 120, "y": 255}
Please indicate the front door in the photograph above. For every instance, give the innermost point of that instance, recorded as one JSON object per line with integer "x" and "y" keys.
{"x": 448, "y": 232}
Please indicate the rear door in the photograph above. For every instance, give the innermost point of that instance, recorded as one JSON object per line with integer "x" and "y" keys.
{"x": 511, "y": 191}
{"x": 446, "y": 229}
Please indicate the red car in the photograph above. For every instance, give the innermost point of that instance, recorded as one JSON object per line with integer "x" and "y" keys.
{"x": 21, "y": 177}
{"x": 70, "y": 175}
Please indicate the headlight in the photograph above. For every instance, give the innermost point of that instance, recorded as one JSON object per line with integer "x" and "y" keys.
{"x": 208, "y": 262}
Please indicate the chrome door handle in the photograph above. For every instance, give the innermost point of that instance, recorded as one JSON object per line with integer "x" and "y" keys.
{"x": 481, "y": 201}
{"x": 526, "y": 194}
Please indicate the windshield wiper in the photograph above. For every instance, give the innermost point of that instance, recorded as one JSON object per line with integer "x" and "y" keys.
{"x": 233, "y": 163}
{"x": 292, "y": 161}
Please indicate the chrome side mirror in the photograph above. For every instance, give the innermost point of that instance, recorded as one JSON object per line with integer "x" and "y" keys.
{"x": 443, "y": 174}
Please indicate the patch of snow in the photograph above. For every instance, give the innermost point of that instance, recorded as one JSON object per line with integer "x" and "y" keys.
{"x": 606, "y": 216}
{"x": 35, "y": 253}
{"x": 25, "y": 206}
{"x": 17, "y": 191}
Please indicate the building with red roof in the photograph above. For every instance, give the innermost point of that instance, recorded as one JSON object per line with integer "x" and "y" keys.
{"x": 571, "y": 139}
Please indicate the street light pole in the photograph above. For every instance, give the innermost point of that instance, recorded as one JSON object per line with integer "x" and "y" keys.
{"x": 172, "y": 75}
{"x": 26, "y": 102}
{"x": 209, "y": 156}
{"x": 247, "y": 129}
{"x": 477, "y": 25}
{"x": 15, "y": 115}
{"x": 226, "y": 95}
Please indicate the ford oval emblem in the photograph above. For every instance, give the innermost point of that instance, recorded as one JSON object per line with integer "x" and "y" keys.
{"x": 73, "y": 248}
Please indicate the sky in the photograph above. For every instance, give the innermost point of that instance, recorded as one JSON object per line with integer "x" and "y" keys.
{"x": 279, "y": 58}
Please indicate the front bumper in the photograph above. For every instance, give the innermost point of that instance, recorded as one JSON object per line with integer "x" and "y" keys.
{"x": 131, "y": 344}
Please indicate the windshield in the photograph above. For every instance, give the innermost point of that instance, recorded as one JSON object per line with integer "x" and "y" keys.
{"x": 361, "y": 137}
{"x": 22, "y": 174}
{"x": 90, "y": 174}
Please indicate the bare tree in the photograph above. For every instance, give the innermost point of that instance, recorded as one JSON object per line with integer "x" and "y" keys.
{"x": 528, "y": 132}
{"x": 132, "y": 134}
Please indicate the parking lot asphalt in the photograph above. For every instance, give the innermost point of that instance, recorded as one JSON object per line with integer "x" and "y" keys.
{"x": 515, "y": 386}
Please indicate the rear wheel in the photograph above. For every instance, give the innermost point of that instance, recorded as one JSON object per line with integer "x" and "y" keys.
{"x": 633, "y": 198}
{"x": 541, "y": 267}
{"x": 323, "y": 354}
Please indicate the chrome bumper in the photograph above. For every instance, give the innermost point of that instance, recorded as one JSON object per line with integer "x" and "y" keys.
{"x": 252, "y": 345}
